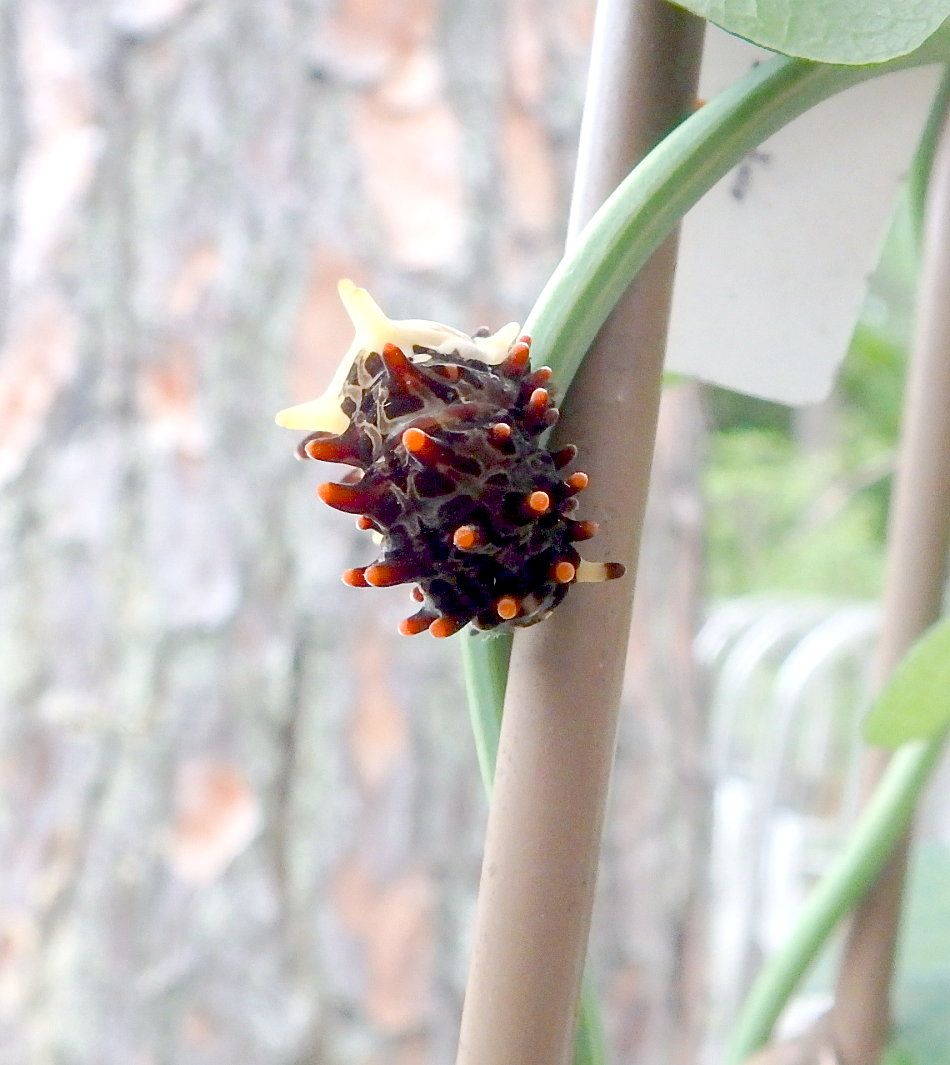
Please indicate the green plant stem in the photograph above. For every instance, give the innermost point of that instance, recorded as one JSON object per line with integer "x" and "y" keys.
{"x": 590, "y": 1042}
{"x": 485, "y": 659}
{"x": 882, "y": 823}
{"x": 622, "y": 236}
{"x": 625, "y": 232}
{"x": 918, "y": 177}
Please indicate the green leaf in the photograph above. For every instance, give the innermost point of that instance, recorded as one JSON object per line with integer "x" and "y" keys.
{"x": 915, "y": 703}
{"x": 897, "y": 1055}
{"x": 830, "y": 31}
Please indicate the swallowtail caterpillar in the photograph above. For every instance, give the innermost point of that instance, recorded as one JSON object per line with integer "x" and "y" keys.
{"x": 450, "y": 476}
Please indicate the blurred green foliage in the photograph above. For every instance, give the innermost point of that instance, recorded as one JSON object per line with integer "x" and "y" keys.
{"x": 790, "y": 515}
{"x": 785, "y": 521}
{"x": 923, "y": 983}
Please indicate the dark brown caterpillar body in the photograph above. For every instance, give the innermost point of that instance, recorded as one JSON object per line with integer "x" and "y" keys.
{"x": 468, "y": 504}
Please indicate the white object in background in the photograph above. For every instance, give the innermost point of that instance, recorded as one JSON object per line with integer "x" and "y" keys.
{"x": 774, "y": 260}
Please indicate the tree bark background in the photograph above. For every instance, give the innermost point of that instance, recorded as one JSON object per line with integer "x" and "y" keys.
{"x": 241, "y": 819}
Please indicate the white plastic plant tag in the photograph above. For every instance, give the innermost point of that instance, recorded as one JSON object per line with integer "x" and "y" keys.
{"x": 774, "y": 260}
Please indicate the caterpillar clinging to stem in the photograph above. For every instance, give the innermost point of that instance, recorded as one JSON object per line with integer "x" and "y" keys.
{"x": 467, "y": 503}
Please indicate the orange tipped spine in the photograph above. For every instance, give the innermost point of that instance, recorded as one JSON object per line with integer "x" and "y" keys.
{"x": 330, "y": 449}
{"x": 507, "y": 607}
{"x": 425, "y": 449}
{"x": 387, "y": 574}
{"x": 519, "y": 358}
{"x": 398, "y": 365}
{"x": 538, "y": 503}
{"x": 351, "y": 499}
{"x": 467, "y": 537}
{"x": 563, "y": 572}
{"x": 539, "y": 399}
{"x": 444, "y": 627}
{"x": 416, "y": 623}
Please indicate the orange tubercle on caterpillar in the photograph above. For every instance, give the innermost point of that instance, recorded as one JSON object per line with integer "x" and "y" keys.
{"x": 466, "y": 537}
{"x": 443, "y": 627}
{"x": 563, "y": 572}
{"x": 539, "y": 503}
{"x": 507, "y": 607}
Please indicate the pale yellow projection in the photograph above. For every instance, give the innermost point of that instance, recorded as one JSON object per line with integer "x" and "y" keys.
{"x": 373, "y": 330}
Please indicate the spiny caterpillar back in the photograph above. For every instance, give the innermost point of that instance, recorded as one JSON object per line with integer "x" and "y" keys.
{"x": 466, "y": 502}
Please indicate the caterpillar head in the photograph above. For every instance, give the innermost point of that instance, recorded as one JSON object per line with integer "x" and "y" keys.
{"x": 467, "y": 504}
